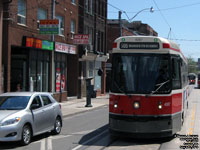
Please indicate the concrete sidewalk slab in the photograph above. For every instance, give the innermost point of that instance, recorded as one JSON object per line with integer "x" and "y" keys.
{"x": 77, "y": 106}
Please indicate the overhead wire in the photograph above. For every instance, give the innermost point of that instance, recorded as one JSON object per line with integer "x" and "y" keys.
{"x": 176, "y": 39}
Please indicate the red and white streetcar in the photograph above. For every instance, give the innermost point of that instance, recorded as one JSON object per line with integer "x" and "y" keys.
{"x": 149, "y": 87}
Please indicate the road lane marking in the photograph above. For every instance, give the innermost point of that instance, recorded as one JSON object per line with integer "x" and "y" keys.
{"x": 192, "y": 121}
{"x": 86, "y": 142}
{"x": 49, "y": 144}
{"x": 42, "y": 145}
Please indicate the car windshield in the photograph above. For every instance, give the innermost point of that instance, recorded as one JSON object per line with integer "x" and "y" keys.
{"x": 140, "y": 73}
{"x": 13, "y": 102}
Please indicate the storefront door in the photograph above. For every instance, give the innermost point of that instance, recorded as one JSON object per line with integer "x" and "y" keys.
{"x": 18, "y": 73}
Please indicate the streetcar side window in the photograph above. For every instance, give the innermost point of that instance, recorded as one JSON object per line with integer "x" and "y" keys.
{"x": 176, "y": 80}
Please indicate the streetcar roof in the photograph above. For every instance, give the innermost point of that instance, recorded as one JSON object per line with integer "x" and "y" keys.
{"x": 144, "y": 44}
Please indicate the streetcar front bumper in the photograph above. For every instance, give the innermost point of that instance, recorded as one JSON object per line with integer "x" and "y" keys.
{"x": 144, "y": 126}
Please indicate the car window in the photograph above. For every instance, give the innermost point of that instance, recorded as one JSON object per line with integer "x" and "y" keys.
{"x": 13, "y": 102}
{"x": 36, "y": 103}
{"x": 46, "y": 100}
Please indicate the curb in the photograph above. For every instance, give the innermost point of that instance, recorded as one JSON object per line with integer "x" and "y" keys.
{"x": 83, "y": 111}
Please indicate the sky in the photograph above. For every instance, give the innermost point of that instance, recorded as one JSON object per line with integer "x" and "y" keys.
{"x": 181, "y": 16}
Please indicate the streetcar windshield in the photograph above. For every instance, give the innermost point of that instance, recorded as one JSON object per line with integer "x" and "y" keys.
{"x": 140, "y": 73}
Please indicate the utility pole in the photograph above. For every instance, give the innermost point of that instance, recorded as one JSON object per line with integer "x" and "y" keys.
{"x": 120, "y": 23}
{"x": 52, "y": 56}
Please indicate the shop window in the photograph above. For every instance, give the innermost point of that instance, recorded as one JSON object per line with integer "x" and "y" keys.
{"x": 60, "y": 69}
{"x": 39, "y": 71}
{"x": 21, "y": 14}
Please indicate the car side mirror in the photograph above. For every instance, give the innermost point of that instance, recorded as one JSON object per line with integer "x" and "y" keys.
{"x": 34, "y": 106}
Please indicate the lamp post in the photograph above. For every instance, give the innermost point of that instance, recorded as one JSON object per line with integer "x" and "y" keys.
{"x": 120, "y": 21}
{"x": 150, "y": 9}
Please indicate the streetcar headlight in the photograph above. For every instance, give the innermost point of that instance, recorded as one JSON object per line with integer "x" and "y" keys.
{"x": 160, "y": 105}
{"x": 136, "y": 105}
{"x": 115, "y": 105}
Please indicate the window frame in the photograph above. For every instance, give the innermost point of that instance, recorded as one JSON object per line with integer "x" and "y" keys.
{"x": 21, "y": 14}
{"x": 61, "y": 25}
{"x": 43, "y": 101}
{"x": 178, "y": 64}
{"x": 73, "y": 2}
{"x": 38, "y": 18}
{"x": 72, "y": 28}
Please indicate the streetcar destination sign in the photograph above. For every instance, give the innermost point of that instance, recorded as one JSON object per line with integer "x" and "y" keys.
{"x": 139, "y": 45}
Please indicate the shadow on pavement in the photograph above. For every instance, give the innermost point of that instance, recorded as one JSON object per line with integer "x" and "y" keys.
{"x": 102, "y": 137}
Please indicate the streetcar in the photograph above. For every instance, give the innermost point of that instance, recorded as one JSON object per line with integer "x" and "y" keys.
{"x": 149, "y": 87}
{"x": 192, "y": 78}
{"x": 198, "y": 80}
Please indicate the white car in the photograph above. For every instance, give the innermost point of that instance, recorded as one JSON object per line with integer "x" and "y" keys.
{"x": 26, "y": 114}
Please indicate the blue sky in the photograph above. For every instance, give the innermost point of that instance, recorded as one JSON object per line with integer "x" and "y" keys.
{"x": 182, "y": 16}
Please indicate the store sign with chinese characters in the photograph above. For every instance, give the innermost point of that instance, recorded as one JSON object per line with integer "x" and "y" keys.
{"x": 81, "y": 39}
{"x": 65, "y": 48}
{"x": 37, "y": 43}
{"x": 49, "y": 26}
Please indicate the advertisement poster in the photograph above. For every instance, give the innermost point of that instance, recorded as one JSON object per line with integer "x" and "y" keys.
{"x": 58, "y": 78}
{"x": 63, "y": 83}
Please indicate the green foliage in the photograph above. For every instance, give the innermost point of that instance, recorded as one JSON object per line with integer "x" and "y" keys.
{"x": 192, "y": 65}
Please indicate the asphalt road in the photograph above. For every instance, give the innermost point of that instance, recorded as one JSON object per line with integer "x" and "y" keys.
{"x": 89, "y": 130}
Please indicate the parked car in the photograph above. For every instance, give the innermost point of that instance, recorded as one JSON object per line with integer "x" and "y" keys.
{"x": 27, "y": 114}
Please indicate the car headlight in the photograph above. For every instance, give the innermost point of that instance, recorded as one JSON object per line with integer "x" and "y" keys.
{"x": 10, "y": 121}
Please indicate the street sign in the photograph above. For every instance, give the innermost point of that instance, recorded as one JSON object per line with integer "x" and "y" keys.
{"x": 49, "y": 26}
{"x": 81, "y": 39}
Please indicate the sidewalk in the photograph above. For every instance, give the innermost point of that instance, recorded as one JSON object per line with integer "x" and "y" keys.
{"x": 76, "y": 106}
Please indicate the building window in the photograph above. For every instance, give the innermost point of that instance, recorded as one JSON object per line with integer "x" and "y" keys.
{"x": 88, "y": 6}
{"x": 21, "y": 14}
{"x": 73, "y": 28}
{"x": 61, "y": 24}
{"x": 73, "y": 2}
{"x": 41, "y": 15}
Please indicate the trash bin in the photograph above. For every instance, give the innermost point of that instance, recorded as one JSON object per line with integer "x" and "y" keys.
{"x": 89, "y": 91}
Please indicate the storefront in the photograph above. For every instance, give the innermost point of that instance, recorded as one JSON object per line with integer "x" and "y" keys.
{"x": 64, "y": 63}
{"x": 30, "y": 65}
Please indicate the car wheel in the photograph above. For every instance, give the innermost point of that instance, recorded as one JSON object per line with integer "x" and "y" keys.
{"x": 26, "y": 135}
{"x": 57, "y": 126}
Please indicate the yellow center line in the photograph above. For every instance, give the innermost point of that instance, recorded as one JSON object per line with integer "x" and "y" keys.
{"x": 192, "y": 121}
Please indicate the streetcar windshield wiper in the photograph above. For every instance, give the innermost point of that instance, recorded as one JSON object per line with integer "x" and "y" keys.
{"x": 120, "y": 89}
{"x": 160, "y": 85}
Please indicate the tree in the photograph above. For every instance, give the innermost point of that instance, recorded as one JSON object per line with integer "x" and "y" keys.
{"x": 192, "y": 65}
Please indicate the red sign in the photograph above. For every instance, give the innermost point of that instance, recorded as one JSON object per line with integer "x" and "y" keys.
{"x": 32, "y": 42}
{"x": 65, "y": 48}
{"x": 49, "y": 22}
{"x": 81, "y": 39}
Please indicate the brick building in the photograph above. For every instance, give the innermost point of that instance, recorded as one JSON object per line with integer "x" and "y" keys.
{"x": 32, "y": 59}
{"x": 1, "y": 31}
{"x": 92, "y": 57}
